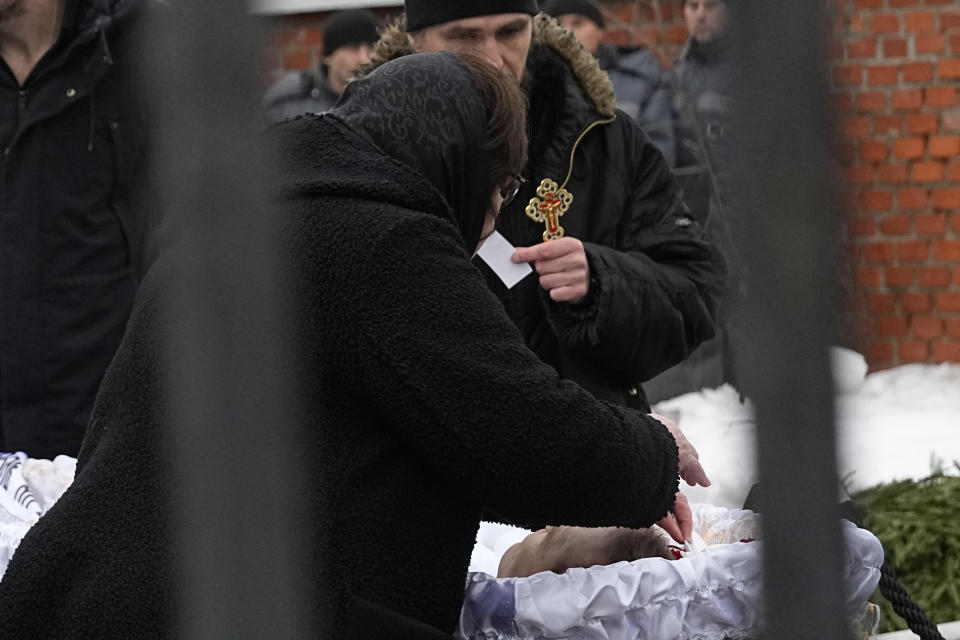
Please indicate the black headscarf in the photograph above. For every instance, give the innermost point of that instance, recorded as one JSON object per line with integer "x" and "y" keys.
{"x": 425, "y": 111}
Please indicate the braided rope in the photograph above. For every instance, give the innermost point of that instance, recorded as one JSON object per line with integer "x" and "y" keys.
{"x": 890, "y": 587}
{"x": 904, "y": 606}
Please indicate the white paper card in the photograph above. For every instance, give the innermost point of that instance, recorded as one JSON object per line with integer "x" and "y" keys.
{"x": 496, "y": 252}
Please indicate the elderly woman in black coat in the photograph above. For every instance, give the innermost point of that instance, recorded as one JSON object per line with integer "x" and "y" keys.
{"x": 423, "y": 407}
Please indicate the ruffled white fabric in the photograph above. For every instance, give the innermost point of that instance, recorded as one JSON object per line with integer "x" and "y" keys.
{"x": 714, "y": 592}
{"x": 28, "y": 488}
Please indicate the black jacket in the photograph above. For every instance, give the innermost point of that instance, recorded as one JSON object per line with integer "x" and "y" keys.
{"x": 703, "y": 102}
{"x": 643, "y": 91}
{"x": 422, "y": 407}
{"x": 703, "y": 113}
{"x": 299, "y": 92}
{"x": 656, "y": 277}
{"x": 70, "y": 231}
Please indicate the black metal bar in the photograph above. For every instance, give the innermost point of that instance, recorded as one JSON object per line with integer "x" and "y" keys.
{"x": 789, "y": 222}
{"x": 237, "y": 541}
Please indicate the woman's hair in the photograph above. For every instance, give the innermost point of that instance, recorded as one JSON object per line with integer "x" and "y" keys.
{"x": 506, "y": 108}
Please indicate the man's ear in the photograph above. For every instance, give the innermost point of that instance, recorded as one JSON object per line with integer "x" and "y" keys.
{"x": 414, "y": 40}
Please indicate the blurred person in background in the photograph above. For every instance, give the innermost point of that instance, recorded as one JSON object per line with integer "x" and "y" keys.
{"x": 347, "y": 37}
{"x": 73, "y": 224}
{"x": 703, "y": 75}
{"x": 702, "y": 111}
{"x": 638, "y": 78}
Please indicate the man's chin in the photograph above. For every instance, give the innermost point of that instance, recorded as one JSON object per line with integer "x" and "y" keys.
{"x": 704, "y": 37}
{"x": 505, "y": 568}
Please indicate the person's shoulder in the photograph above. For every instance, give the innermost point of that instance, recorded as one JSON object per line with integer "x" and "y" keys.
{"x": 364, "y": 214}
{"x": 635, "y": 76}
{"x": 641, "y": 61}
{"x": 292, "y": 85}
{"x": 683, "y": 57}
{"x": 385, "y": 195}
{"x": 398, "y": 233}
{"x": 556, "y": 56}
{"x": 629, "y": 145}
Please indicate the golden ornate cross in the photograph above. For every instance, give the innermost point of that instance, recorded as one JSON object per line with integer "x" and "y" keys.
{"x": 547, "y": 206}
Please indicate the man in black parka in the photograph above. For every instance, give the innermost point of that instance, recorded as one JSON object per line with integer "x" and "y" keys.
{"x": 633, "y": 286}
{"x": 72, "y": 135}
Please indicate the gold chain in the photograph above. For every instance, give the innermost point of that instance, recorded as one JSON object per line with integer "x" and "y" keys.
{"x": 573, "y": 152}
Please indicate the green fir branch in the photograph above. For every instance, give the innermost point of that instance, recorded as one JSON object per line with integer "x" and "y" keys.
{"x": 918, "y": 523}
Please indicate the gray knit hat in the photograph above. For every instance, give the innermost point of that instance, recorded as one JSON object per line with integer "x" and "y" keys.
{"x": 427, "y": 13}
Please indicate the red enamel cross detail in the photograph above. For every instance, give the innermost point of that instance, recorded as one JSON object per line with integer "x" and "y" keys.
{"x": 547, "y": 206}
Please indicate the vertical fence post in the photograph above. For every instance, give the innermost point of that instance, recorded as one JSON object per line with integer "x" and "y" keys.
{"x": 237, "y": 545}
{"x": 788, "y": 232}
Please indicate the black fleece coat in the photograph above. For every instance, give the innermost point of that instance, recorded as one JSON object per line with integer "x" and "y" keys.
{"x": 432, "y": 408}
{"x": 71, "y": 232}
{"x": 422, "y": 408}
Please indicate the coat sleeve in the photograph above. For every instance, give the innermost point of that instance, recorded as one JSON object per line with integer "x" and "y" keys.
{"x": 655, "y": 120}
{"x": 657, "y": 292}
{"x": 450, "y": 372}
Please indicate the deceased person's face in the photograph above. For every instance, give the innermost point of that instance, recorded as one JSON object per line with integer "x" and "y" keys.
{"x": 560, "y": 548}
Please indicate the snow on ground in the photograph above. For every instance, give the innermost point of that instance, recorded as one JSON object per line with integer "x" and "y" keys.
{"x": 891, "y": 425}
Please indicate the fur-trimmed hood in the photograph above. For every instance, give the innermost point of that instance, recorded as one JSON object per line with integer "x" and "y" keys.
{"x": 547, "y": 32}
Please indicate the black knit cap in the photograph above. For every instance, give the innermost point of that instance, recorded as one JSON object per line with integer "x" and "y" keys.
{"x": 343, "y": 28}
{"x": 427, "y": 13}
{"x": 585, "y": 8}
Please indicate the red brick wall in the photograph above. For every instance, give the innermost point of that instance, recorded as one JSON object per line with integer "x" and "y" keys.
{"x": 896, "y": 73}
{"x": 295, "y": 42}
{"x": 895, "y": 69}
{"x": 657, "y": 25}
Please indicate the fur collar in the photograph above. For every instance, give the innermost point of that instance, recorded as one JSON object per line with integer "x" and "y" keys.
{"x": 547, "y": 32}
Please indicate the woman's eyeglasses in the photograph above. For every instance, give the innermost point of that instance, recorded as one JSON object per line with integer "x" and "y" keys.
{"x": 509, "y": 191}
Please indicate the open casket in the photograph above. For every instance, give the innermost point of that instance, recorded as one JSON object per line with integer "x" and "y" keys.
{"x": 714, "y": 591}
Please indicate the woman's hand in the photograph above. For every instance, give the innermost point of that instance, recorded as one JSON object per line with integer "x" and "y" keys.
{"x": 690, "y": 469}
{"x": 679, "y": 522}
